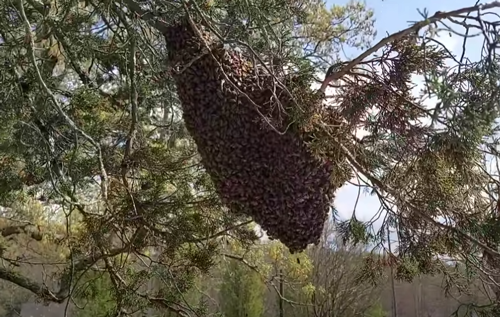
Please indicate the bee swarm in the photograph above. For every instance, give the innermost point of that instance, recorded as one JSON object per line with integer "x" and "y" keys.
{"x": 258, "y": 171}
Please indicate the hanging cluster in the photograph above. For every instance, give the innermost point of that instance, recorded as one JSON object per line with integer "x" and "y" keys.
{"x": 239, "y": 120}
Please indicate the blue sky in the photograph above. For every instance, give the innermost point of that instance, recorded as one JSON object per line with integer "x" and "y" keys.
{"x": 392, "y": 16}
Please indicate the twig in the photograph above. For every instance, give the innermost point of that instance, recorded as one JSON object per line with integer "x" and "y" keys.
{"x": 191, "y": 62}
{"x": 42, "y": 290}
{"x": 133, "y": 112}
{"x": 147, "y": 16}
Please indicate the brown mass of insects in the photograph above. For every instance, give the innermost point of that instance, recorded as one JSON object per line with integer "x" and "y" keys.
{"x": 268, "y": 175}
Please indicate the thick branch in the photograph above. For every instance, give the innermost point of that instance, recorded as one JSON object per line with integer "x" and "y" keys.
{"x": 42, "y": 290}
{"x": 26, "y": 283}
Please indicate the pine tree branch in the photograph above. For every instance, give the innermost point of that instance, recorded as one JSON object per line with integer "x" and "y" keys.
{"x": 31, "y": 49}
{"x": 438, "y": 16}
{"x": 378, "y": 183}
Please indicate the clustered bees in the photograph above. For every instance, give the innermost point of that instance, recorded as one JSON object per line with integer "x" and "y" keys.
{"x": 257, "y": 170}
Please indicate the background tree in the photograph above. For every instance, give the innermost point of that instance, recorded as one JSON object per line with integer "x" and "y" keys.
{"x": 323, "y": 281}
{"x": 242, "y": 291}
{"x": 338, "y": 289}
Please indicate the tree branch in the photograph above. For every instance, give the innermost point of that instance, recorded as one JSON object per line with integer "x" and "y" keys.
{"x": 398, "y": 35}
{"x": 376, "y": 182}
{"x": 55, "y": 102}
{"x": 43, "y": 291}
{"x": 37, "y": 288}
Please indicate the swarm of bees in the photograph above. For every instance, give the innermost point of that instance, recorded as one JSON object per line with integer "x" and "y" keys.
{"x": 259, "y": 168}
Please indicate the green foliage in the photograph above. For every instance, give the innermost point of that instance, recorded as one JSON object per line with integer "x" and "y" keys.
{"x": 242, "y": 291}
{"x": 376, "y": 311}
{"x": 354, "y": 231}
{"x": 282, "y": 29}
{"x": 94, "y": 296}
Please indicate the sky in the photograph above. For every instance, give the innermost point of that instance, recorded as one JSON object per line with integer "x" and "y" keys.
{"x": 392, "y": 16}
